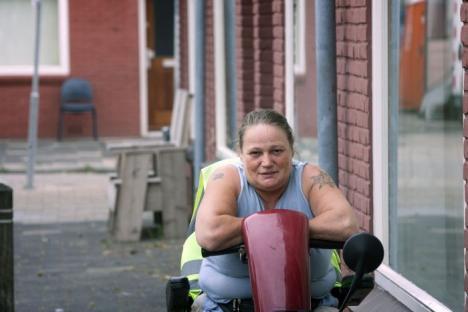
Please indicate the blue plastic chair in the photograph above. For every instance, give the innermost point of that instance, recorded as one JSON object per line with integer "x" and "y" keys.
{"x": 76, "y": 97}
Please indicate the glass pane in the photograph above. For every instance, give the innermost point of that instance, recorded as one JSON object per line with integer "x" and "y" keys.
{"x": 305, "y": 91}
{"x": 17, "y": 31}
{"x": 426, "y": 203}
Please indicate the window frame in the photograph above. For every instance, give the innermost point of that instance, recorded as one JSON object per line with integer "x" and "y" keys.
{"x": 63, "y": 68}
{"x": 222, "y": 149}
{"x": 289, "y": 79}
{"x": 300, "y": 68}
{"x": 397, "y": 285}
{"x": 295, "y": 54}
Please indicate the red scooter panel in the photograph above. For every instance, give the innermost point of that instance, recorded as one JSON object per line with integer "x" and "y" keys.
{"x": 278, "y": 257}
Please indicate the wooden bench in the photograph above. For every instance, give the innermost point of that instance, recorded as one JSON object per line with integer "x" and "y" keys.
{"x": 153, "y": 176}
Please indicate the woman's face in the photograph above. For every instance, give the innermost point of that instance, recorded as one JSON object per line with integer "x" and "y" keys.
{"x": 267, "y": 157}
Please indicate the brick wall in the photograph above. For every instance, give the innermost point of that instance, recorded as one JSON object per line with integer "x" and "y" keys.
{"x": 260, "y": 55}
{"x": 259, "y": 59}
{"x": 183, "y": 45}
{"x": 268, "y": 52}
{"x": 464, "y": 39}
{"x": 353, "y": 36}
{"x": 14, "y": 101}
{"x": 244, "y": 57}
{"x": 103, "y": 49}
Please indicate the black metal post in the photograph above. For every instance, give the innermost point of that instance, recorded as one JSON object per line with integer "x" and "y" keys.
{"x": 7, "y": 303}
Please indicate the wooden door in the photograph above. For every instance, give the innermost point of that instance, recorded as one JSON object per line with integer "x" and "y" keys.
{"x": 160, "y": 70}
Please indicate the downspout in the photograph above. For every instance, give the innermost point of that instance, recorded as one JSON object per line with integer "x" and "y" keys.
{"x": 325, "y": 41}
{"x": 199, "y": 148}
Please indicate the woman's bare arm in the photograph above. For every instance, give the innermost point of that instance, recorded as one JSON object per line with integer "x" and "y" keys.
{"x": 334, "y": 218}
{"x": 217, "y": 226}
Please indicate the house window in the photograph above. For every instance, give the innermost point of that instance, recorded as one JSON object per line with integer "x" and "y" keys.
{"x": 17, "y": 37}
{"x": 424, "y": 200}
{"x": 225, "y": 77}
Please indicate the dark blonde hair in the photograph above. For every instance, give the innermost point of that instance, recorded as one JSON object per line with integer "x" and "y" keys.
{"x": 266, "y": 117}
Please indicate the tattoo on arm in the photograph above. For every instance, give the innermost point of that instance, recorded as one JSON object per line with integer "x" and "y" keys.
{"x": 322, "y": 179}
{"x": 218, "y": 176}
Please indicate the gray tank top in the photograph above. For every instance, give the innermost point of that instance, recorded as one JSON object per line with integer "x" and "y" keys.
{"x": 225, "y": 277}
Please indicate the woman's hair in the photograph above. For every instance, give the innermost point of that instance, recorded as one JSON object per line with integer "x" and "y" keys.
{"x": 266, "y": 117}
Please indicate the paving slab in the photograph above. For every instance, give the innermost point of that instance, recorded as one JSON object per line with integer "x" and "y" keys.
{"x": 59, "y": 197}
{"x": 77, "y": 267}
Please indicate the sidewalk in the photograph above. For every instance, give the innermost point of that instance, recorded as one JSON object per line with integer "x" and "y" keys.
{"x": 70, "y": 180}
{"x": 52, "y": 156}
{"x": 64, "y": 258}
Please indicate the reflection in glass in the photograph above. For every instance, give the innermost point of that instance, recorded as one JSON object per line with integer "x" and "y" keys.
{"x": 426, "y": 150}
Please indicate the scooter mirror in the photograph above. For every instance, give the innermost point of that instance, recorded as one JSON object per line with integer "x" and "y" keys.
{"x": 363, "y": 252}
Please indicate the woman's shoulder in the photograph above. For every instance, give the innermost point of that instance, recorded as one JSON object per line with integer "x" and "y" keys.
{"x": 309, "y": 174}
{"x": 225, "y": 175}
{"x": 229, "y": 168}
{"x": 311, "y": 167}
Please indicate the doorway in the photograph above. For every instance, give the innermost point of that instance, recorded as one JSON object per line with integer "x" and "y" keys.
{"x": 160, "y": 62}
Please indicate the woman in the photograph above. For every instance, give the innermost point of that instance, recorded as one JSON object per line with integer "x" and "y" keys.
{"x": 267, "y": 177}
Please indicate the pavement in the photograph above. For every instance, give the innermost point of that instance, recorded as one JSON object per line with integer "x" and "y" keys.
{"x": 64, "y": 258}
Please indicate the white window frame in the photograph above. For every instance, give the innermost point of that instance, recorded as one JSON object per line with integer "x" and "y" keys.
{"x": 300, "y": 68}
{"x": 222, "y": 149}
{"x": 143, "y": 65}
{"x": 289, "y": 94}
{"x": 63, "y": 68}
{"x": 397, "y": 285}
{"x": 295, "y": 53}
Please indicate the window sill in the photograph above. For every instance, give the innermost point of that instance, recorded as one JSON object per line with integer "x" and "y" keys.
{"x": 28, "y": 71}
{"x": 406, "y": 292}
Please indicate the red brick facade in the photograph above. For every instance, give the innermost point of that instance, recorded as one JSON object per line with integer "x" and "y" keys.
{"x": 353, "y": 29}
{"x": 244, "y": 57}
{"x": 183, "y": 45}
{"x": 464, "y": 39}
{"x": 259, "y": 58}
{"x": 104, "y": 49}
{"x": 260, "y": 55}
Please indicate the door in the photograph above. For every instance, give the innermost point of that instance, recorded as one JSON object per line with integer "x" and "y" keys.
{"x": 160, "y": 52}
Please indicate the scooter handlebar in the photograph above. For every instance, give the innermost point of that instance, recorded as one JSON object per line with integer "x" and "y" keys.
{"x": 208, "y": 253}
{"x": 325, "y": 244}
{"x": 313, "y": 243}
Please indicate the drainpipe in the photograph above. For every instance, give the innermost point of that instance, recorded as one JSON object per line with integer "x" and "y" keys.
{"x": 325, "y": 41}
{"x": 199, "y": 148}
